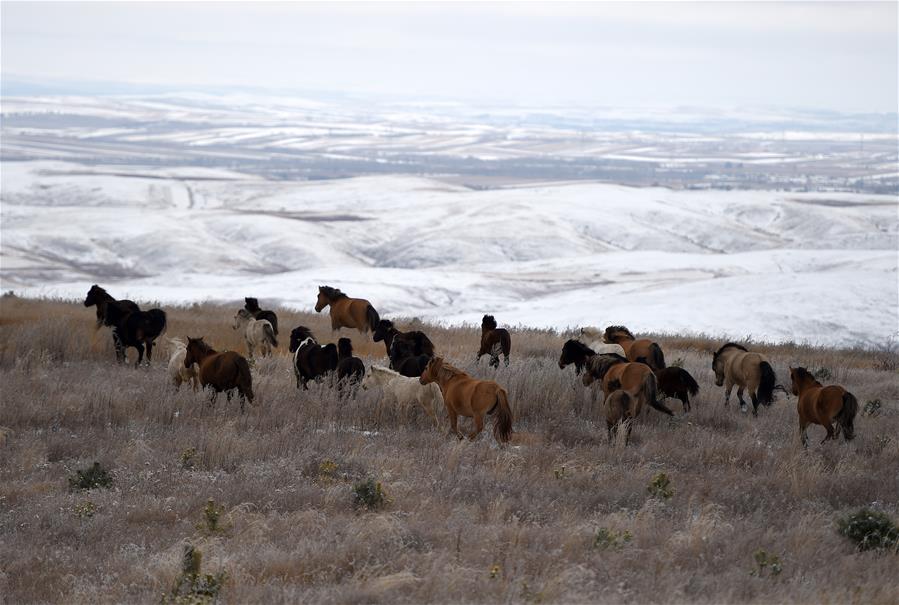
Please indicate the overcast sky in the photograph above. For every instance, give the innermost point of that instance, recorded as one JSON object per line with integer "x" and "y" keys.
{"x": 814, "y": 55}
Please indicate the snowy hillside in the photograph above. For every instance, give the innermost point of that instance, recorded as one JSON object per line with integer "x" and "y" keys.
{"x": 816, "y": 267}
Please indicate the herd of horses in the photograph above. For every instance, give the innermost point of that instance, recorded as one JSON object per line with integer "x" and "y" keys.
{"x": 630, "y": 372}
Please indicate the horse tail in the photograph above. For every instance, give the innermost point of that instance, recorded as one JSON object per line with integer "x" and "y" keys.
{"x": 244, "y": 378}
{"x": 656, "y": 357}
{"x": 690, "y": 382}
{"x": 502, "y": 424}
{"x": 505, "y": 340}
{"x": 269, "y": 331}
{"x": 650, "y": 391}
{"x": 766, "y": 383}
{"x": 846, "y": 416}
{"x": 373, "y": 318}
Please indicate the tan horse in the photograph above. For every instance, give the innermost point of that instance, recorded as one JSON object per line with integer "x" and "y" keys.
{"x": 734, "y": 365}
{"x": 823, "y": 405}
{"x": 637, "y": 380}
{"x": 347, "y": 312}
{"x": 635, "y": 347}
{"x": 470, "y": 397}
{"x": 221, "y": 371}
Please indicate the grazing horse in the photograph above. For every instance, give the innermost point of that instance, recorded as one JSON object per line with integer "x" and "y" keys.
{"x": 350, "y": 370}
{"x": 594, "y": 336}
{"x": 404, "y": 360}
{"x": 634, "y": 347}
{"x": 347, "y": 312}
{"x": 494, "y": 341}
{"x": 467, "y": 396}
{"x": 257, "y": 332}
{"x": 102, "y": 299}
{"x": 252, "y": 305}
{"x": 403, "y": 389}
{"x": 387, "y": 332}
{"x": 734, "y": 365}
{"x": 675, "y": 382}
{"x": 576, "y": 352}
{"x": 221, "y": 371}
{"x": 823, "y": 405}
{"x": 178, "y": 372}
{"x": 136, "y": 329}
{"x": 631, "y": 376}
{"x": 310, "y": 360}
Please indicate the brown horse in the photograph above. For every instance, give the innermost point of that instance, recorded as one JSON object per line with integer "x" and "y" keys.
{"x": 734, "y": 365}
{"x": 470, "y": 397}
{"x": 635, "y": 347}
{"x": 823, "y": 405}
{"x": 621, "y": 409}
{"x": 221, "y": 371}
{"x": 610, "y": 368}
{"x": 102, "y": 299}
{"x": 494, "y": 341}
{"x": 347, "y": 312}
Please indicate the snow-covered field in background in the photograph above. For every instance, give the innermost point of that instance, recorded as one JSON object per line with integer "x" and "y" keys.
{"x": 809, "y": 267}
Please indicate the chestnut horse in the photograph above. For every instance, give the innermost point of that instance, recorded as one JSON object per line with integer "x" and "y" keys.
{"x": 734, "y": 365}
{"x": 635, "y": 347}
{"x": 621, "y": 409}
{"x": 635, "y": 378}
{"x": 470, "y": 397}
{"x": 494, "y": 341}
{"x": 823, "y": 405}
{"x": 347, "y": 312}
{"x": 221, "y": 371}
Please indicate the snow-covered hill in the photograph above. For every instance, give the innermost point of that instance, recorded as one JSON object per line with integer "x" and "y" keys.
{"x": 815, "y": 267}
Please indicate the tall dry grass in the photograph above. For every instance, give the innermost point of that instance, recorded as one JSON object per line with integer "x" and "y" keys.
{"x": 465, "y": 522}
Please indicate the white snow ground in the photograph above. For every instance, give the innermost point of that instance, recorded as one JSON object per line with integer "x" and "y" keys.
{"x": 807, "y": 267}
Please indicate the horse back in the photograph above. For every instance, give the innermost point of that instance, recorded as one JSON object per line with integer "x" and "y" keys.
{"x": 221, "y": 370}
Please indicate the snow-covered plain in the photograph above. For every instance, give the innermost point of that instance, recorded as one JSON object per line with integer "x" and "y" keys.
{"x": 808, "y": 267}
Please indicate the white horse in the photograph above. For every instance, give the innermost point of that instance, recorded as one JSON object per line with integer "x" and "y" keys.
{"x": 593, "y": 339}
{"x": 177, "y": 372}
{"x": 257, "y": 332}
{"x": 403, "y": 389}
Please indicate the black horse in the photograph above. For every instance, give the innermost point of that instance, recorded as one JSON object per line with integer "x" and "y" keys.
{"x": 310, "y": 359}
{"x": 576, "y": 352}
{"x": 675, "y": 382}
{"x": 404, "y": 360}
{"x": 252, "y": 305}
{"x": 350, "y": 369}
{"x": 103, "y": 300}
{"x": 136, "y": 329}
{"x": 386, "y": 331}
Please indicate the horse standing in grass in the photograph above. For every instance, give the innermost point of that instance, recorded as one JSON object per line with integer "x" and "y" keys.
{"x": 467, "y": 396}
{"x": 350, "y": 369}
{"x": 220, "y": 371}
{"x": 310, "y": 359}
{"x": 577, "y": 353}
{"x": 494, "y": 341}
{"x": 252, "y": 305}
{"x": 593, "y": 338}
{"x": 178, "y": 372}
{"x": 347, "y": 312}
{"x": 635, "y": 347}
{"x": 103, "y": 300}
{"x": 734, "y": 365}
{"x": 401, "y": 389}
{"x": 404, "y": 360}
{"x": 257, "y": 332}
{"x": 138, "y": 329}
{"x": 824, "y": 405}
{"x": 675, "y": 382}
{"x": 387, "y": 332}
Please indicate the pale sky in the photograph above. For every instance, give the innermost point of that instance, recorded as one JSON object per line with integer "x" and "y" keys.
{"x": 839, "y": 56}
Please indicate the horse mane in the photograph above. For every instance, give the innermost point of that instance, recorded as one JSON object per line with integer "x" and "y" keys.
{"x": 581, "y": 347}
{"x": 199, "y": 342}
{"x": 618, "y": 358}
{"x": 251, "y": 304}
{"x": 603, "y": 362}
{"x": 730, "y": 345}
{"x": 298, "y": 335}
{"x": 488, "y": 322}
{"x": 612, "y": 329}
{"x": 332, "y": 293}
{"x": 453, "y": 370}
{"x": 245, "y": 313}
{"x": 803, "y": 373}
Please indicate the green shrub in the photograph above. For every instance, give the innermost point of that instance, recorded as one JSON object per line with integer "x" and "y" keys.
{"x": 609, "y": 538}
{"x": 823, "y": 374}
{"x": 660, "y": 487}
{"x": 872, "y": 407}
{"x": 211, "y": 518}
{"x": 869, "y": 529}
{"x": 91, "y": 478}
{"x": 368, "y": 494}
{"x": 85, "y": 510}
{"x": 187, "y": 458}
{"x": 766, "y": 564}
{"x": 193, "y": 587}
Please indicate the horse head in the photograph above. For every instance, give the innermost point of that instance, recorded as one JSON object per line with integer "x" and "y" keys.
{"x": 488, "y": 323}
{"x": 431, "y": 371}
{"x": 96, "y": 295}
{"x": 344, "y": 348}
{"x": 195, "y": 348}
{"x": 241, "y": 318}
{"x": 385, "y": 326}
{"x": 298, "y": 336}
{"x": 576, "y": 352}
{"x": 251, "y": 304}
{"x": 616, "y": 334}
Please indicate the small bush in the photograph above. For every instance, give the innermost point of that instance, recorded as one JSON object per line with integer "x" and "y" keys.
{"x": 211, "y": 518}
{"x": 766, "y": 564}
{"x": 873, "y": 407}
{"x": 609, "y": 538}
{"x": 660, "y": 487}
{"x": 869, "y": 529}
{"x": 187, "y": 458}
{"x": 823, "y": 373}
{"x": 677, "y": 363}
{"x": 85, "y": 510}
{"x": 494, "y": 572}
{"x": 91, "y": 478}
{"x": 560, "y": 473}
{"x": 368, "y": 494}
{"x": 193, "y": 587}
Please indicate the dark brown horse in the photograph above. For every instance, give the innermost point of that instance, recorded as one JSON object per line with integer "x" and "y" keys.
{"x": 577, "y": 353}
{"x": 494, "y": 341}
{"x": 675, "y": 382}
{"x": 387, "y": 332}
{"x": 138, "y": 329}
{"x": 102, "y": 299}
{"x": 347, "y": 312}
{"x": 635, "y": 347}
{"x": 252, "y": 305}
{"x": 310, "y": 359}
{"x": 404, "y": 360}
{"x": 350, "y": 369}
{"x": 220, "y": 371}
{"x": 823, "y": 405}
{"x": 630, "y": 376}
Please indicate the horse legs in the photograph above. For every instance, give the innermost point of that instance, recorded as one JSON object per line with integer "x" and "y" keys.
{"x": 454, "y": 423}
{"x": 755, "y": 403}
{"x": 506, "y": 360}
{"x": 494, "y": 361}
{"x": 478, "y": 426}
{"x": 803, "y": 433}
{"x": 830, "y": 433}
{"x": 140, "y": 353}
{"x": 728, "y": 388}
{"x": 743, "y": 406}
{"x": 149, "y": 351}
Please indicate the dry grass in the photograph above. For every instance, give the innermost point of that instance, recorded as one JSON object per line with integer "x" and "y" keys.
{"x": 465, "y": 522}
